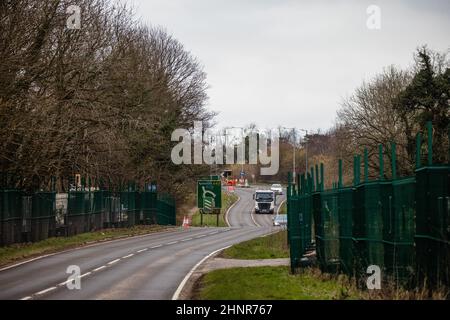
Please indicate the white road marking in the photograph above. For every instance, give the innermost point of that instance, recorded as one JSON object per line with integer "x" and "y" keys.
{"x": 226, "y": 213}
{"x": 253, "y": 218}
{"x": 200, "y": 236}
{"x": 279, "y": 207}
{"x": 86, "y": 274}
{"x": 46, "y": 290}
{"x": 173, "y": 242}
{"x": 99, "y": 268}
{"x": 142, "y": 250}
{"x": 159, "y": 245}
{"x": 114, "y": 261}
{"x": 26, "y": 298}
{"x": 176, "y": 295}
{"x": 215, "y": 232}
{"x": 128, "y": 256}
{"x": 64, "y": 283}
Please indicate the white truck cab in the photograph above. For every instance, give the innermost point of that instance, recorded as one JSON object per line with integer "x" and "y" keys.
{"x": 264, "y": 201}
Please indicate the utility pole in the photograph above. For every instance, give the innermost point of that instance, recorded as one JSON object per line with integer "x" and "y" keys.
{"x": 294, "y": 144}
{"x": 306, "y": 149}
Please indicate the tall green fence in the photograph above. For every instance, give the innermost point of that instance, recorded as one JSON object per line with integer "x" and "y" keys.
{"x": 43, "y": 221}
{"x": 401, "y": 225}
{"x": 165, "y": 210}
{"x": 34, "y": 217}
{"x": 11, "y": 213}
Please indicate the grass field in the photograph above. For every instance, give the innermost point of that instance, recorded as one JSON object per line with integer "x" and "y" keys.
{"x": 268, "y": 247}
{"x": 17, "y": 252}
{"x": 274, "y": 283}
{"x": 211, "y": 219}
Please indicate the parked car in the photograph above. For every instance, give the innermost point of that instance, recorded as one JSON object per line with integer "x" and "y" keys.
{"x": 277, "y": 188}
{"x": 280, "y": 220}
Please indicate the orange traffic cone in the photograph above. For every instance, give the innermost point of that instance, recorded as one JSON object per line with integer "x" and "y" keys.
{"x": 185, "y": 222}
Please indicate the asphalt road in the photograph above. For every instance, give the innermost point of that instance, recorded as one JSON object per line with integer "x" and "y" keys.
{"x": 144, "y": 267}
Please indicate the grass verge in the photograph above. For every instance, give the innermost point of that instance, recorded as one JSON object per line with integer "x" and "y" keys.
{"x": 283, "y": 208}
{"x": 272, "y": 283}
{"x": 22, "y": 251}
{"x": 211, "y": 219}
{"x": 269, "y": 247}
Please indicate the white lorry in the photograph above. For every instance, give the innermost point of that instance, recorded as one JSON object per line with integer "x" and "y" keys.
{"x": 264, "y": 201}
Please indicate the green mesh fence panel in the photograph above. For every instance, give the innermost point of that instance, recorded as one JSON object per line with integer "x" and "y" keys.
{"x": 11, "y": 208}
{"x": 399, "y": 231}
{"x": 328, "y": 228}
{"x": 43, "y": 215}
{"x": 305, "y": 219}
{"x": 98, "y": 209}
{"x": 78, "y": 211}
{"x": 432, "y": 236}
{"x": 149, "y": 207}
{"x": 371, "y": 205}
{"x": 166, "y": 211}
{"x": 130, "y": 205}
{"x": 1, "y": 217}
{"x": 294, "y": 230}
{"x": 345, "y": 212}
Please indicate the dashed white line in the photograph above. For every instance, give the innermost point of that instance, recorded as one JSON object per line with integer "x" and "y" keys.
{"x": 215, "y": 232}
{"x": 114, "y": 261}
{"x": 159, "y": 245}
{"x": 26, "y": 298}
{"x": 46, "y": 290}
{"x": 99, "y": 268}
{"x": 142, "y": 250}
{"x": 201, "y": 236}
{"x": 128, "y": 256}
{"x": 173, "y": 242}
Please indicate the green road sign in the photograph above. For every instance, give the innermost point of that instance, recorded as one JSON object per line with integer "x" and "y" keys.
{"x": 210, "y": 178}
{"x": 209, "y": 189}
{"x": 208, "y": 204}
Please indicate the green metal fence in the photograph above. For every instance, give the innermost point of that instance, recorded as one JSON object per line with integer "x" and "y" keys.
{"x": 401, "y": 225}
{"x": 43, "y": 221}
{"x": 35, "y": 217}
{"x": 165, "y": 210}
{"x": 11, "y": 213}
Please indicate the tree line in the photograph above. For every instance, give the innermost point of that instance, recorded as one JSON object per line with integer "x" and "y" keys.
{"x": 393, "y": 106}
{"x": 100, "y": 101}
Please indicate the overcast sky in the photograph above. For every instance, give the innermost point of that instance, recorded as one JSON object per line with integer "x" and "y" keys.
{"x": 290, "y": 63}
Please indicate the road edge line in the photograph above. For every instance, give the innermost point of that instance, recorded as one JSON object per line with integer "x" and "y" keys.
{"x": 279, "y": 206}
{"x": 253, "y": 218}
{"x": 182, "y": 284}
{"x": 228, "y": 210}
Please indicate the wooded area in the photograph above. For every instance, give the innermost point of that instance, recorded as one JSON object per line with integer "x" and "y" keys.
{"x": 100, "y": 101}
